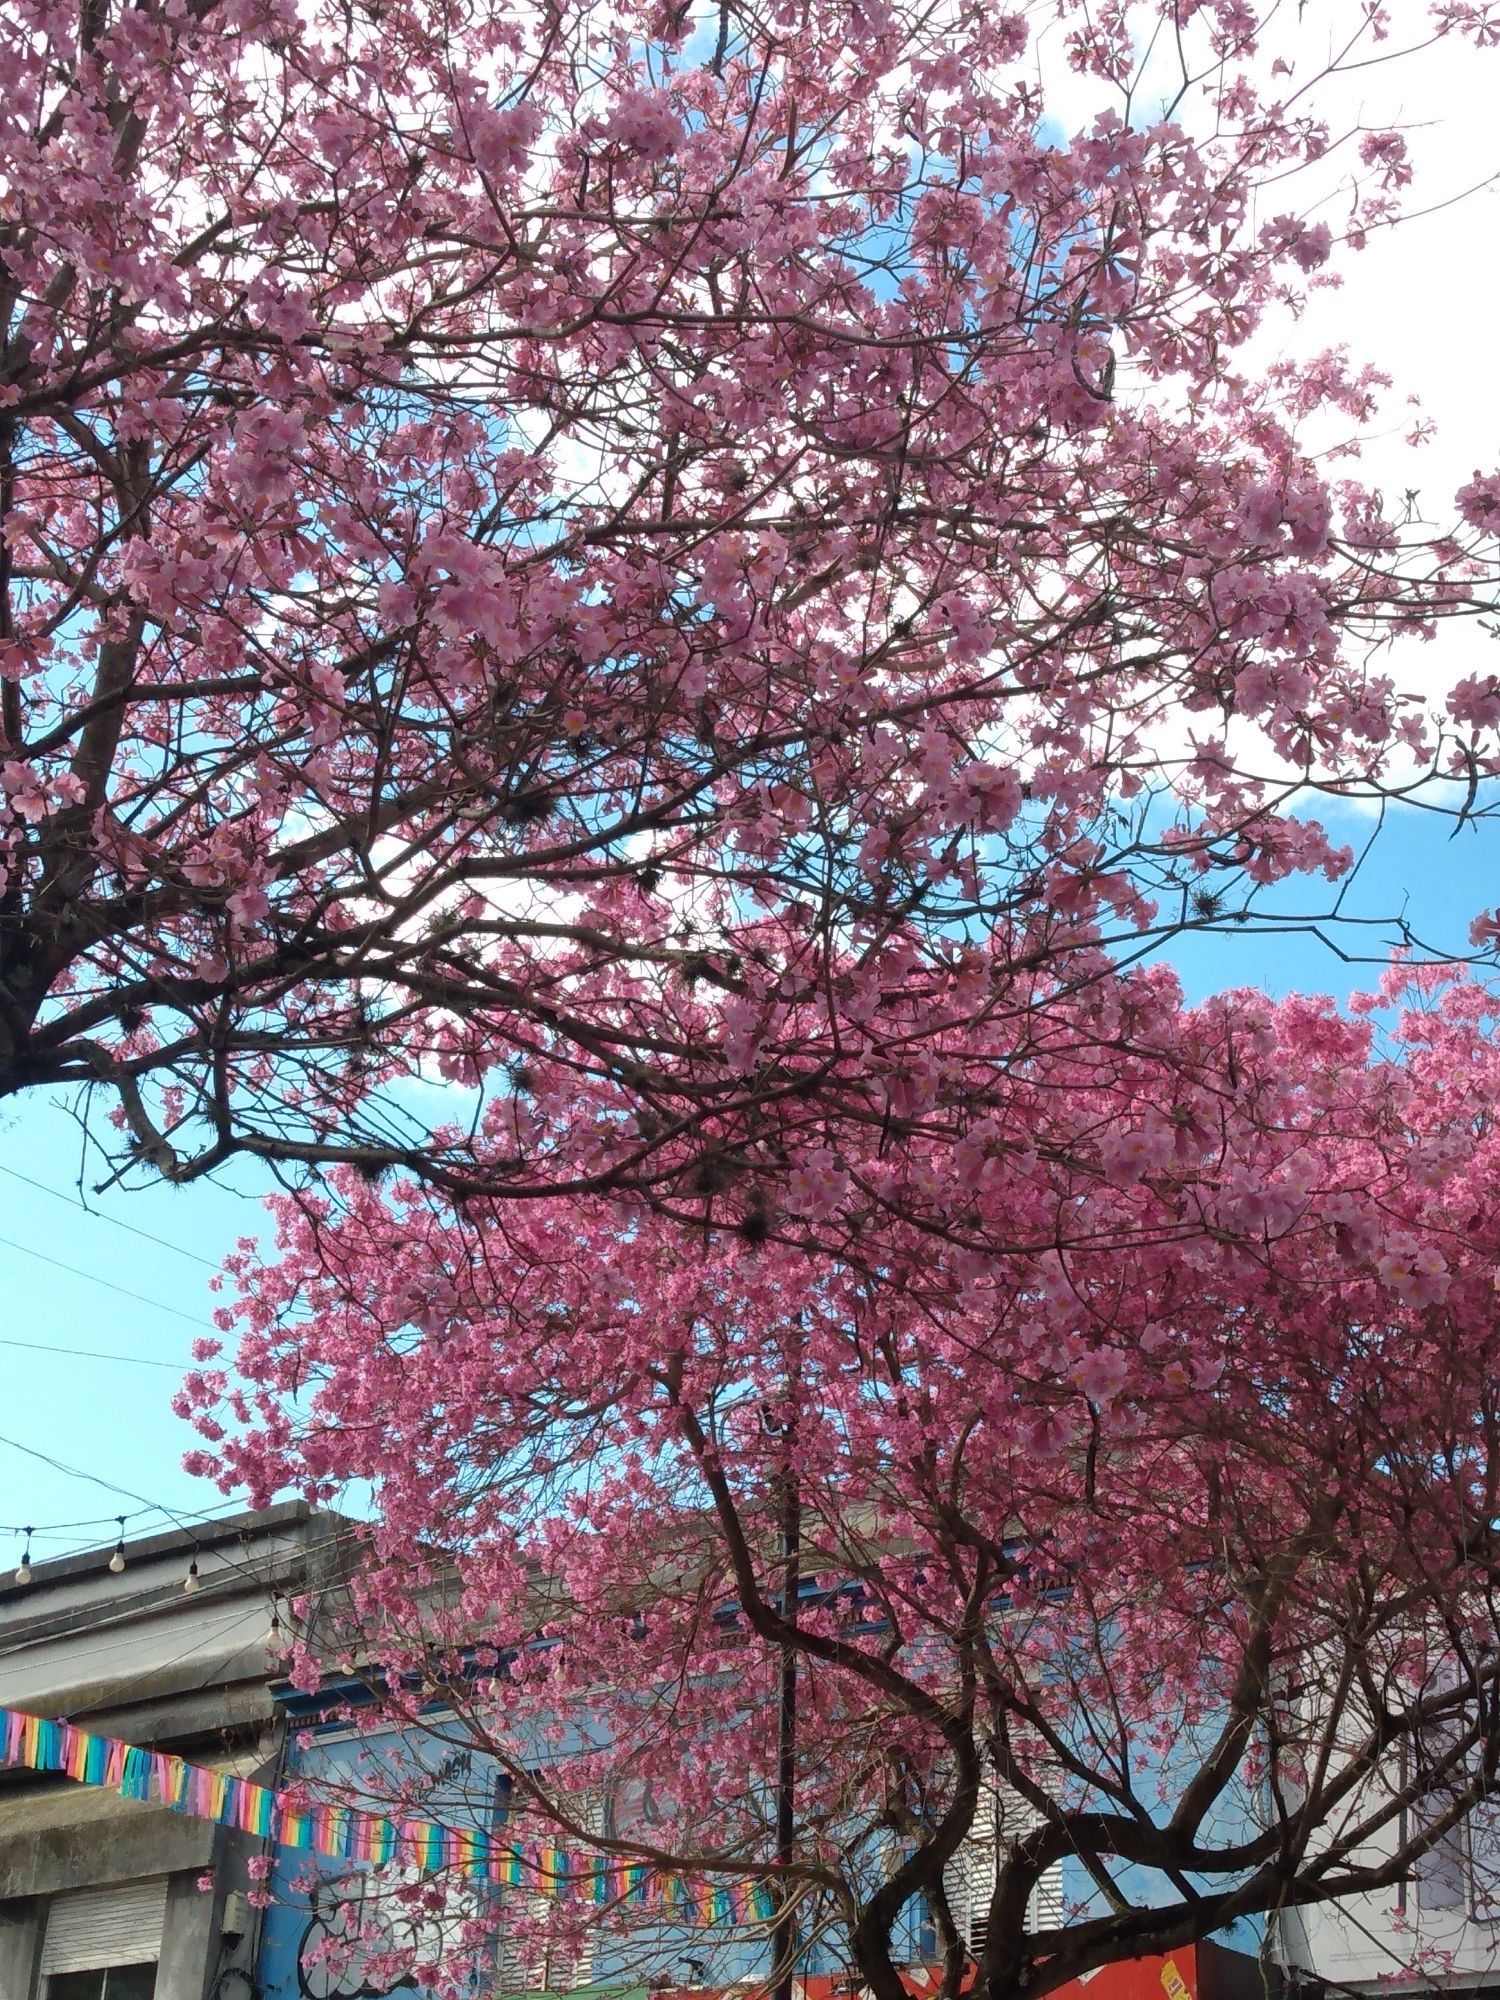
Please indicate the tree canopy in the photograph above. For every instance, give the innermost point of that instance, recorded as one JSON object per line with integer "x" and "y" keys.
{"x": 672, "y": 569}
{"x": 1168, "y": 1515}
{"x": 622, "y": 624}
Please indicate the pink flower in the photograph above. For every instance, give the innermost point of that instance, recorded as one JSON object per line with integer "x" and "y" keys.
{"x": 818, "y": 1187}
{"x": 1307, "y": 511}
{"x": 1101, "y": 1374}
{"x": 995, "y": 796}
{"x": 1307, "y": 244}
{"x": 1387, "y": 151}
{"x": 1479, "y": 501}
{"x": 1476, "y": 700}
{"x": 1260, "y": 512}
{"x": 645, "y": 122}
{"x": 1047, "y": 1436}
{"x": 250, "y": 905}
{"x": 1417, "y": 1273}
{"x": 1126, "y": 1156}
{"x": 24, "y": 788}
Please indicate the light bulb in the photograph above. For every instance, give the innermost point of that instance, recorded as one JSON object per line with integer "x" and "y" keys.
{"x": 117, "y": 1560}
{"x": 23, "y": 1574}
{"x": 190, "y": 1581}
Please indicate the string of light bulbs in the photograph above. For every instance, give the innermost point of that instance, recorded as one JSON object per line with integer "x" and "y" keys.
{"x": 193, "y": 1579}
{"x": 115, "y": 1565}
{"x": 192, "y": 1582}
{"x": 184, "y": 1522}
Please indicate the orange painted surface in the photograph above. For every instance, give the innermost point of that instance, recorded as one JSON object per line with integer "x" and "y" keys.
{"x": 1174, "y": 1977}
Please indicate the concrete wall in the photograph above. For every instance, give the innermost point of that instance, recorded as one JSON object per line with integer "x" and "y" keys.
{"x": 20, "y": 1947}
{"x": 81, "y": 1640}
{"x": 1372, "y": 1943}
{"x": 77, "y": 1837}
{"x": 191, "y": 1943}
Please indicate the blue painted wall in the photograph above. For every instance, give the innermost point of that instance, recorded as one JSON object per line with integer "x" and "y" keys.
{"x": 459, "y": 1787}
{"x": 312, "y": 1897}
{"x": 1157, "y": 1781}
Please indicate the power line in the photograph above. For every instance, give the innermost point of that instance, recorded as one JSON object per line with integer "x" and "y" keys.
{"x": 185, "y": 1521}
{"x": 67, "y": 1531}
{"x": 75, "y": 1472}
{"x": 108, "y": 1284}
{"x": 99, "y": 1215}
{"x": 56, "y": 1527}
{"x": 109, "y": 1520}
{"x": 93, "y": 1353}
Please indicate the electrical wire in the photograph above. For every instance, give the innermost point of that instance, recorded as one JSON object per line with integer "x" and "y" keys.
{"x": 93, "y": 1521}
{"x": 140, "y": 1298}
{"x": 184, "y": 1520}
{"x": 42, "y": 1535}
{"x": 73, "y": 1201}
{"x": 122, "y": 1639}
{"x": 75, "y": 1472}
{"x": 53, "y": 1531}
{"x": 93, "y": 1354}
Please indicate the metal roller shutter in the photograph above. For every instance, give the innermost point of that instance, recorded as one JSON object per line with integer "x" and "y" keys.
{"x": 89, "y": 1929}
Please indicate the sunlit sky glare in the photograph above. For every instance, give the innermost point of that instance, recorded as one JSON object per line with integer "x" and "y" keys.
{"x": 1420, "y": 302}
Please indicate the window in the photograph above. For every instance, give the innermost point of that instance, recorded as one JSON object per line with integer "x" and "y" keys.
{"x": 537, "y": 1962}
{"x": 103, "y": 1944}
{"x": 1458, "y": 1874}
{"x": 115, "y": 1982}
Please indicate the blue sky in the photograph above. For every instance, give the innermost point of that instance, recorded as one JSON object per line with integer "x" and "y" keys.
{"x": 110, "y": 1420}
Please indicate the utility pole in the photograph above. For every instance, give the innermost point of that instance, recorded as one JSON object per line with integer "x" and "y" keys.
{"x": 784, "y": 1930}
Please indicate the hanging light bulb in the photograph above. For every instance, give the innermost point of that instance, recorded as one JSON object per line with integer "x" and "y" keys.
{"x": 190, "y": 1581}
{"x": 117, "y": 1560}
{"x": 23, "y": 1574}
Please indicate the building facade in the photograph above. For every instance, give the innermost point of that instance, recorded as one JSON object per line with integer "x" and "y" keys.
{"x": 171, "y": 1644}
{"x": 334, "y": 1927}
{"x": 168, "y": 1643}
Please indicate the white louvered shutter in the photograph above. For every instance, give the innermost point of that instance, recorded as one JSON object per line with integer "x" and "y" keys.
{"x": 89, "y": 1930}
{"x": 538, "y": 1967}
{"x": 1462, "y": 1867}
{"x": 547, "y": 1967}
{"x": 970, "y": 1876}
{"x": 1442, "y": 1873}
{"x": 1484, "y": 1861}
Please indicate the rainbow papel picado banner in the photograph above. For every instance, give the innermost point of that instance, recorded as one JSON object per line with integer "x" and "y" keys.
{"x": 345, "y": 1833}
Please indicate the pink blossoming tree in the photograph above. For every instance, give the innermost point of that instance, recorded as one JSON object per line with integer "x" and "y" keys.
{"x": 699, "y": 580}
{"x": 594, "y": 552}
{"x": 1138, "y": 1490}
